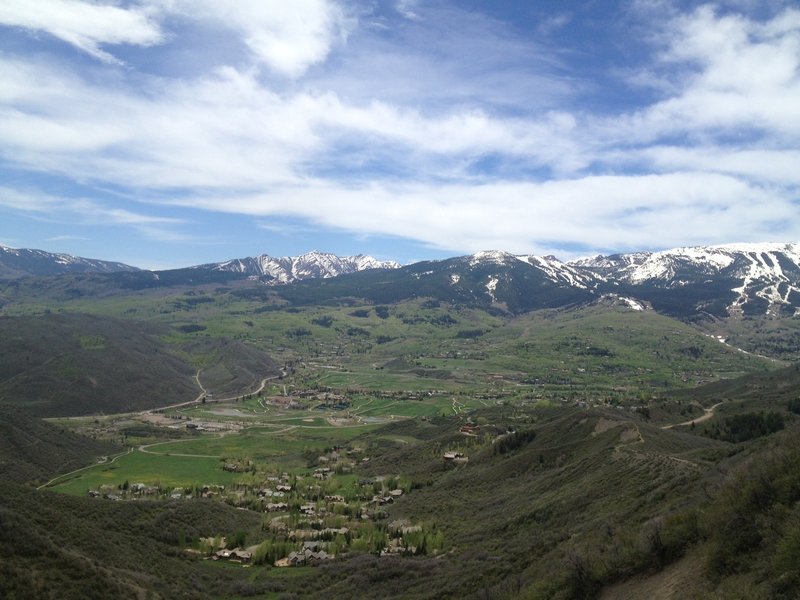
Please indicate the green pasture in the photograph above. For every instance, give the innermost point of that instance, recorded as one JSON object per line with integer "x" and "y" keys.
{"x": 186, "y": 462}
{"x": 150, "y": 469}
{"x": 288, "y": 439}
{"x": 428, "y": 407}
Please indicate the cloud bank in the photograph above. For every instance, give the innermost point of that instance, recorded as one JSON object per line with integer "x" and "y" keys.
{"x": 703, "y": 150}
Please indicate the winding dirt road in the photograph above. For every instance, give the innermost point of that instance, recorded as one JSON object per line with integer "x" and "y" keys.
{"x": 102, "y": 461}
{"x": 709, "y": 412}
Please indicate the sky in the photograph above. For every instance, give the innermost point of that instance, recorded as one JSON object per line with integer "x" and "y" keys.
{"x": 169, "y": 133}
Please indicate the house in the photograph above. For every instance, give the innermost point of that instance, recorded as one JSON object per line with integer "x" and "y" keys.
{"x": 296, "y": 559}
{"x": 304, "y": 557}
{"x": 455, "y": 457}
{"x": 243, "y": 556}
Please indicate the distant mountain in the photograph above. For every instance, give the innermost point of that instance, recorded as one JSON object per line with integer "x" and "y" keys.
{"x": 726, "y": 280}
{"x": 288, "y": 269}
{"x": 732, "y": 280}
{"x": 490, "y": 279}
{"x": 15, "y": 263}
{"x": 722, "y": 281}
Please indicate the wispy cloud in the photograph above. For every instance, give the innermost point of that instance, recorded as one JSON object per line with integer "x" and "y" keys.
{"x": 85, "y": 212}
{"x": 620, "y": 211}
{"x": 85, "y": 25}
{"x": 67, "y": 238}
{"x": 288, "y": 40}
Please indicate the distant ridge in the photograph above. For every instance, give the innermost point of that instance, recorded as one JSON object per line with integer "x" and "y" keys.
{"x": 721, "y": 281}
{"x": 311, "y": 265}
{"x": 728, "y": 280}
{"x": 750, "y": 278}
{"x": 15, "y": 263}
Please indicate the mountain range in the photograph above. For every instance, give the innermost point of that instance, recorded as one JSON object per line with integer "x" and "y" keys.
{"x": 721, "y": 281}
{"x": 21, "y": 262}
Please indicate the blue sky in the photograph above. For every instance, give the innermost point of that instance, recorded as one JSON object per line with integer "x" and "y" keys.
{"x": 167, "y": 133}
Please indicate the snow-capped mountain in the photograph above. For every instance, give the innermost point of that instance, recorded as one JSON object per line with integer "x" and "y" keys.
{"x": 312, "y": 265}
{"x": 21, "y": 262}
{"x": 553, "y": 269}
{"x": 561, "y": 272}
{"x": 756, "y": 278}
{"x": 722, "y": 281}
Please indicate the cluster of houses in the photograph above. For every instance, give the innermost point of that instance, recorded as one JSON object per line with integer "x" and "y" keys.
{"x": 138, "y": 491}
{"x": 310, "y": 554}
{"x": 312, "y": 516}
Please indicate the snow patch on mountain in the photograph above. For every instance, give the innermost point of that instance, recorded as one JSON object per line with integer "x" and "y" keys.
{"x": 555, "y": 270}
{"x": 764, "y": 271}
{"x": 491, "y": 287}
{"x": 311, "y": 265}
{"x": 491, "y": 257}
{"x": 560, "y": 272}
{"x": 626, "y": 301}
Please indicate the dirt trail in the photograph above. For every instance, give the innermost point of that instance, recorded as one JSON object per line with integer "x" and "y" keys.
{"x": 204, "y": 392}
{"x": 709, "y": 412}
{"x": 103, "y": 461}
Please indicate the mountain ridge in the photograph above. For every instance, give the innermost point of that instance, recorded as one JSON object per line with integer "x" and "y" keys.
{"x": 20, "y": 262}
{"x": 729, "y": 280}
{"x": 310, "y": 265}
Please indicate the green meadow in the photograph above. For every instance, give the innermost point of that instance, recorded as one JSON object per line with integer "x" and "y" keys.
{"x": 150, "y": 469}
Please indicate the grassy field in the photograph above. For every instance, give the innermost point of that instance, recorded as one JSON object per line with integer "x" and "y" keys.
{"x": 287, "y": 445}
{"x": 150, "y": 469}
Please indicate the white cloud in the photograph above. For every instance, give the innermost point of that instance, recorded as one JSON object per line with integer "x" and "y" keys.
{"x": 288, "y": 38}
{"x": 408, "y": 8}
{"x": 598, "y": 211}
{"x": 67, "y": 238}
{"x": 85, "y": 25}
{"x": 233, "y": 140}
{"x": 227, "y": 131}
{"x": 735, "y": 73}
{"x": 779, "y": 167}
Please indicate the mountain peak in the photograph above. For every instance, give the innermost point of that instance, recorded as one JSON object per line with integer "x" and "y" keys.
{"x": 310, "y": 265}
{"x": 491, "y": 256}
